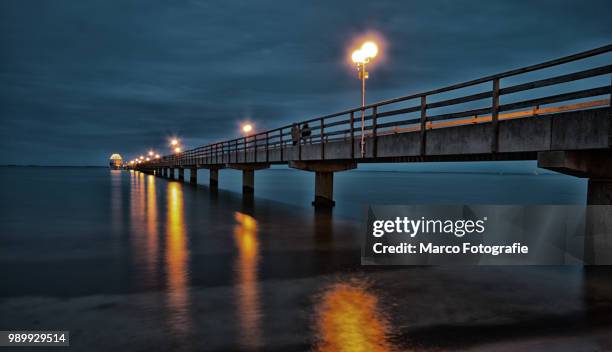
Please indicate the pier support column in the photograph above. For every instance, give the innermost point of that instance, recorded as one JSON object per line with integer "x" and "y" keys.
{"x": 213, "y": 181}
{"x": 599, "y": 191}
{"x": 248, "y": 175}
{"x": 248, "y": 181}
{"x": 324, "y": 189}
{"x": 181, "y": 174}
{"x": 171, "y": 173}
{"x": 193, "y": 175}
{"x": 164, "y": 172}
{"x": 324, "y": 178}
{"x": 596, "y": 165}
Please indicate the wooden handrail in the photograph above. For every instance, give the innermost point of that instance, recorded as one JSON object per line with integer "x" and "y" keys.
{"x": 273, "y": 138}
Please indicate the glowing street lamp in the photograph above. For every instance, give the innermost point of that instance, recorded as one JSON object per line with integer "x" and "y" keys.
{"x": 156, "y": 156}
{"x": 247, "y": 128}
{"x": 151, "y": 153}
{"x": 361, "y": 57}
{"x": 177, "y": 149}
{"x": 174, "y": 142}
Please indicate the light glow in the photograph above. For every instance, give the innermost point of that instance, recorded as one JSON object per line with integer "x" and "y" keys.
{"x": 246, "y": 128}
{"x": 151, "y": 153}
{"x": 365, "y": 53}
{"x": 174, "y": 142}
{"x": 370, "y": 49}
{"x": 358, "y": 57}
{"x": 177, "y": 149}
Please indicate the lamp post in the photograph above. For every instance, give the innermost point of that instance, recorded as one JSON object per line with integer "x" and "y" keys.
{"x": 361, "y": 57}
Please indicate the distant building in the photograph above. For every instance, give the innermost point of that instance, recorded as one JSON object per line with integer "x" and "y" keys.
{"x": 116, "y": 162}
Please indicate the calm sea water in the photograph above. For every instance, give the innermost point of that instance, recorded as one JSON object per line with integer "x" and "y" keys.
{"x": 132, "y": 262}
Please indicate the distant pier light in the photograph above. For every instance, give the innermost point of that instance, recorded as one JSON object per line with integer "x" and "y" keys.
{"x": 177, "y": 149}
{"x": 116, "y": 162}
{"x": 151, "y": 153}
{"x": 156, "y": 156}
{"x": 174, "y": 142}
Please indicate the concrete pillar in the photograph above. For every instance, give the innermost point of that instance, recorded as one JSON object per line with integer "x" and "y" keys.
{"x": 248, "y": 181}
{"x": 248, "y": 175}
{"x": 324, "y": 178}
{"x": 181, "y": 174}
{"x": 324, "y": 189}
{"x": 171, "y": 173}
{"x": 599, "y": 191}
{"x": 596, "y": 165}
{"x": 164, "y": 172}
{"x": 193, "y": 175}
{"x": 214, "y": 178}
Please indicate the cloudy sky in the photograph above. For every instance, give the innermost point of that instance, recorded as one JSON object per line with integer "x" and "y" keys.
{"x": 84, "y": 78}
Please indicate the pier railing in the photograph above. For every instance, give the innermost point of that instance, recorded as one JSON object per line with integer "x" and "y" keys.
{"x": 438, "y": 108}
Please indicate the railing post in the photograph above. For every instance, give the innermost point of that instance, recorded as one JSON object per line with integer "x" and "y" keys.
{"x": 374, "y": 133}
{"x": 423, "y": 125}
{"x": 495, "y": 117}
{"x": 281, "y": 144}
{"x": 245, "y": 149}
{"x": 300, "y": 146}
{"x": 322, "y": 134}
{"x": 267, "y": 145}
{"x": 255, "y": 148}
{"x": 352, "y": 121}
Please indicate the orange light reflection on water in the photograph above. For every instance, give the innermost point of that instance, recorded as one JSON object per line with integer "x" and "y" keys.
{"x": 249, "y": 309}
{"x": 116, "y": 202}
{"x": 177, "y": 257}
{"x": 152, "y": 233}
{"x": 348, "y": 319}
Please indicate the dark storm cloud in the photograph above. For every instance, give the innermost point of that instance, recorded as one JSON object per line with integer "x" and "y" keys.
{"x": 82, "y": 79}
